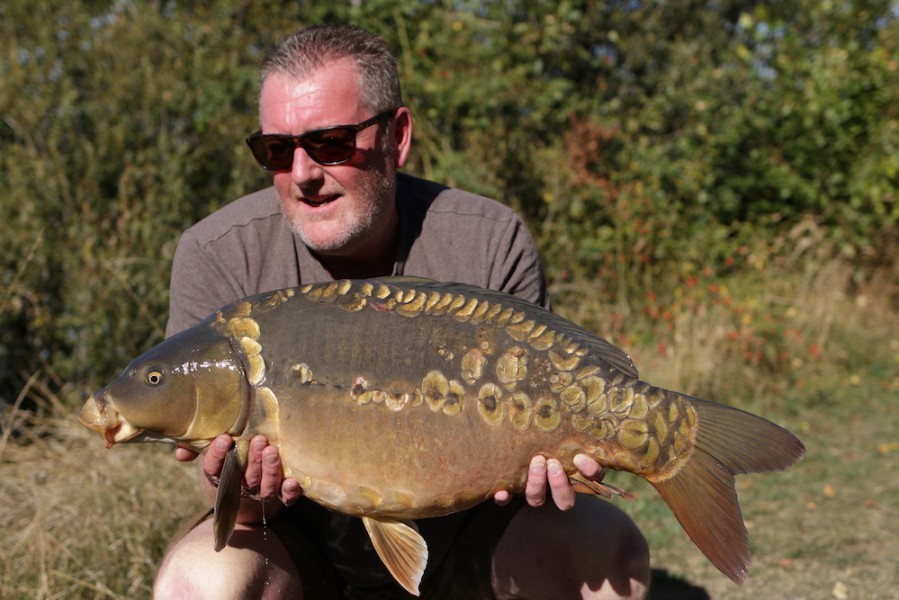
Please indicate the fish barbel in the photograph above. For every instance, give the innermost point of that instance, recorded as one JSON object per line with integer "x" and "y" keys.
{"x": 395, "y": 399}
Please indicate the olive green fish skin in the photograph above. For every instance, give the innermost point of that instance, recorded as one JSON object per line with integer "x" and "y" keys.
{"x": 417, "y": 400}
{"x": 402, "y": 399}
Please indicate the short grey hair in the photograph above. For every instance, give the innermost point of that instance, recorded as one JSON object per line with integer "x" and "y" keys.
{"x": 314, "y": 47}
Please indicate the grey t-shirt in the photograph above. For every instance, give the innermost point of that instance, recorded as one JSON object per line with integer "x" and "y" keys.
{"x": 446, "y": 234}
{"x": 247, "y": 248}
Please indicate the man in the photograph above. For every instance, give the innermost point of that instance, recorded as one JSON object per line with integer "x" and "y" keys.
{"x": 339, "y": 209}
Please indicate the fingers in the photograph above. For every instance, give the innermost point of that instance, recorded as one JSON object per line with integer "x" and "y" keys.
{"x": 549, "y": 475}
{"x": 253, "y": 474}
{"x": 588, "y": 467}
{"x": 562, "y": 492}
{"x": 502, "y": 497}
{"x": 263, "y": 474}
{"x": 215, "y": 455}
{"x": 270, "y": 483}
{"x": 290, "y": 491}
{"x": 185, "y": 454}
{"x": 535, "y": 489}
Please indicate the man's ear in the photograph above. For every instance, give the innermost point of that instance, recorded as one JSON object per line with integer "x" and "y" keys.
{"x": 402, "y": 134}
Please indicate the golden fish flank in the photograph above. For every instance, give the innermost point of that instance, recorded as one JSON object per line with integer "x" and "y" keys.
{"x": 603, "y": 411}
{"x": 525, "y": 372}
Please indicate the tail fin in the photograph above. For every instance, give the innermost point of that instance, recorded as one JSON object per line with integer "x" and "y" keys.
{"x": 701, "y": 494}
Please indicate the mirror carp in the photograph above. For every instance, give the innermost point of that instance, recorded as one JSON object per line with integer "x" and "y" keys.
{"x": 395, "y": 399}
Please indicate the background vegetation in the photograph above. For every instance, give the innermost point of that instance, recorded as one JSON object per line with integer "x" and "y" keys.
{"x": 712, "y": 185}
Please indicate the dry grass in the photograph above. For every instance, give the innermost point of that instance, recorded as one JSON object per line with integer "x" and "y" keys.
{"x": 80, "y": 521}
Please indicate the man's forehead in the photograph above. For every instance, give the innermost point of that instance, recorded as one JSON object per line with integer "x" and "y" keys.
{"x": 327, "y": 96}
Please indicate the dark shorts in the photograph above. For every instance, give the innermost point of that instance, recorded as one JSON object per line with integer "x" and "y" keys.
{"x": 335, "y": 563}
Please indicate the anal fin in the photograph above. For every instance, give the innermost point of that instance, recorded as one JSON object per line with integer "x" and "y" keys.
{"x": 401, "y": 548}
{"x": 582, "y": 485}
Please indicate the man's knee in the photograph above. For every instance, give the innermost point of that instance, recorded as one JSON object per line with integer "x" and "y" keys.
{"x": 592, "y": 551}
{"x": 253, "y": 565}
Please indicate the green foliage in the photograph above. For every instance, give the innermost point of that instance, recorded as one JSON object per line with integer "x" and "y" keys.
{"x": 646, "y": 142}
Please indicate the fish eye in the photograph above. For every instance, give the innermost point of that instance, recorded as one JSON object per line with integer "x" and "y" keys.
{"x": 154, "y": 376}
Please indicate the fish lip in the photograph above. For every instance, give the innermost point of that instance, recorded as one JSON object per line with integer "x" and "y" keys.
{"x": 99, "y": 415}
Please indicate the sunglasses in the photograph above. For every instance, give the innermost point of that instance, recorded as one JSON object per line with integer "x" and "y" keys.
{"x": 329, "y": 146}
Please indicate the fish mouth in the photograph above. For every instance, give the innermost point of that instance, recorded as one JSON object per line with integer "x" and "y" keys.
{"x": 99, "y": 415}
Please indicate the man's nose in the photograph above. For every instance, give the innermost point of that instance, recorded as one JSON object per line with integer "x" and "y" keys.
{"x": 304, "y": 169}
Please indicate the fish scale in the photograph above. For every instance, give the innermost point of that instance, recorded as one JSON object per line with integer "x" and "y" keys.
{"x": 396, "y": 399}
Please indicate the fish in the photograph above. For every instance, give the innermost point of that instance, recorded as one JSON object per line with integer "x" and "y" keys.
{"x": 396, "y": 399}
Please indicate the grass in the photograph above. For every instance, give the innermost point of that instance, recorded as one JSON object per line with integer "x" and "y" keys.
{"x": 78, "y": 521}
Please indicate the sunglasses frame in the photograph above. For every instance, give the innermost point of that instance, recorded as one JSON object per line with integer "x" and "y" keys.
{"x": 258, "y": 142}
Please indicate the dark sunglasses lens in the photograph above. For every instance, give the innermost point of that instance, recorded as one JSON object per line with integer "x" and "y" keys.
{"x": 331, "y": 146}
{"x": 274, "y": 154}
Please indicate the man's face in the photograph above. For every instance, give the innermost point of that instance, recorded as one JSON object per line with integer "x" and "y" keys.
{"x": 340, "y": 210}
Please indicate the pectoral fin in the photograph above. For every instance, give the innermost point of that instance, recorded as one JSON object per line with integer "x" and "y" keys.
{"x": 402, "y": 549}
{"x": 227, "y": 501}
{"x": 582, "y": 485}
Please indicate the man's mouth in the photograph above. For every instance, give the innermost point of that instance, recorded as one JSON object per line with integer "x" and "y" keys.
{"x": 319, "y": 200}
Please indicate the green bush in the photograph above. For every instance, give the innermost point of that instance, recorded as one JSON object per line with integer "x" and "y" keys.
{"x": 644, "y": 142}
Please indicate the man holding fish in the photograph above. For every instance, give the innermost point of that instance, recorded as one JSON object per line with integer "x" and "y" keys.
{"x": 333, "y": 134}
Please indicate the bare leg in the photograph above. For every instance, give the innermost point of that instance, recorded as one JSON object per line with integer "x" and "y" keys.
{"x": 253, "y": 565}
{"x": 592, "y": 551}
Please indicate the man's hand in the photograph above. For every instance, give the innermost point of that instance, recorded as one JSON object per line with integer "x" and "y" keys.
{"x": 263, "y": 467}
{"x": 544, "y": 473}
